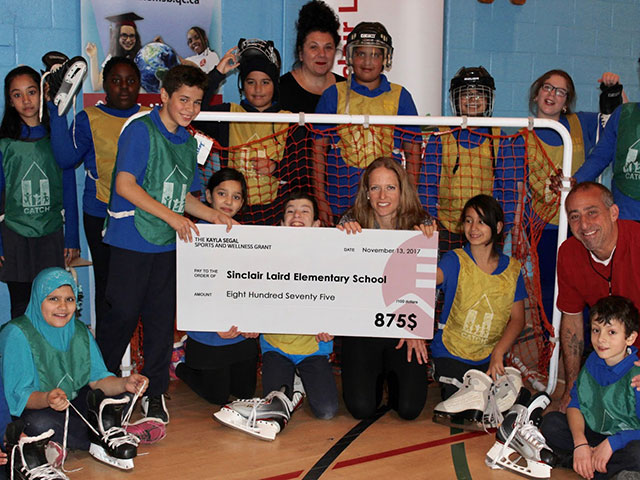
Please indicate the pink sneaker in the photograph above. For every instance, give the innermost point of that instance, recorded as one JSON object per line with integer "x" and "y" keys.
{"x": 54, "y": 454}
{"x": 177, "y": 356}
{"x": 147, "y": 430}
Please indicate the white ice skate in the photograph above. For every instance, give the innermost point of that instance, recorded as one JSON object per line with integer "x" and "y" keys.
{"x": 520, "y": 446}
{"x": 262, "y": 418}
{"x": 27, "y": 459}
{"x": 110, "y": 443}
{"x": 465, "y": 408}
{"x": 479, "y": 402}
{"x": 503, "y": 394}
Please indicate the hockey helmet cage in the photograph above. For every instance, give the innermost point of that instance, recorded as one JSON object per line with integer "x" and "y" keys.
{"x": 247, "y": 48}
{"x": 256, "y": 54}
{"x": 369, "y": 34}
{"x": 476, "y": 79}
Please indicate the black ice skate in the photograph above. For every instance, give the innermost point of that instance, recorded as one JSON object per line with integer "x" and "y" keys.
{"x": 64, "y": 78}
{"x": 262, "y": 418}
{"x": 27, "y": 459}
{"x": 110, "y": 443}
{"x": 520, "y": 446}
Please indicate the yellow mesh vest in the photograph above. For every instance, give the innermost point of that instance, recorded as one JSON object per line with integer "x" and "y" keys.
{"x": 539, "y": 182}
{"x": 360, "y": 146}
{"x": 481, "y": 309}
{"x": 105, "y": 130}
{"x": 262, "y": 143}
{"x": 473, "y": 175}
{"x": 293, "y": 344}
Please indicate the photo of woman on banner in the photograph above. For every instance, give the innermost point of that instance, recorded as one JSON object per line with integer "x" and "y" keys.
{"x": 124, "y": 42}
{"x": 205, "y": 58}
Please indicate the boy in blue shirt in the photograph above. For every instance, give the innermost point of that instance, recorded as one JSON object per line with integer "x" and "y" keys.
{"x": 154, "y": 173}
{"x": 341, "y": 154}
{"x": 600, "y": 434}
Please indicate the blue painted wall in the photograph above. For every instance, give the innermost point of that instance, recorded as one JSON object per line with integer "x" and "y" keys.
{"x": 515, "y": 43}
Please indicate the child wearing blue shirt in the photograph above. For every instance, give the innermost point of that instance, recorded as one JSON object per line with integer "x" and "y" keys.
{"x": 599, "y": 436}
{"x": 154, "y": 173}
{"x": 92, "y": 140}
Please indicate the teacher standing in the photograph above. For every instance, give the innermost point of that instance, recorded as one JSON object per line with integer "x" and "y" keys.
{"x": 316, "y": 46}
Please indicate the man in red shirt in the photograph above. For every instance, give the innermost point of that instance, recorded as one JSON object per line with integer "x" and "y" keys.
{"x": 602, "y": 258}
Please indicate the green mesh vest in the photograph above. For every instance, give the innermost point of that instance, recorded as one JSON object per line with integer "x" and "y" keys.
{"x": 68, "y": 370}
{"x": 611, "y": 409}
{"x": 168, "y": 177}
{"x": 33, "y": 194}
{"x": 626, "y": 167}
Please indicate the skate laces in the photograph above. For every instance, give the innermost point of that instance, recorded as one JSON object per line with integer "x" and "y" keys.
{"x": 527, "y": 430}
{"x": 533, "y": 435}
{"x": 114, "y": 436}
{"x": 492, "y": 416}
{"x": 41, "y": 472}
{"x": 45, "y": 471}
{"x": 127, "y": 416}
{"x": 252, "y": 418}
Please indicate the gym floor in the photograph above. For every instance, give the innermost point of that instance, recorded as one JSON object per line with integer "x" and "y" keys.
{"x": 197, "y": 447}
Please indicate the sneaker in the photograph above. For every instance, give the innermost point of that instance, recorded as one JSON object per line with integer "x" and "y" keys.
{"x": 148, "y": 430}
{"x": 64, "y": 82}
{"x": 177, "y": 356}
{"x": 55, "y": 454}
{"x": 153, "y": 406}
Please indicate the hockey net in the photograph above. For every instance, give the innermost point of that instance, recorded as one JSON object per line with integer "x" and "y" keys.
{"x": 451, "y": 164}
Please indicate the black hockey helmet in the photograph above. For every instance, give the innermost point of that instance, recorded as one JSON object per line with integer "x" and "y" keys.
{"x": 262, "y": 55}
{"x": 479, "y": 81}
{"x": 369, "y": 34}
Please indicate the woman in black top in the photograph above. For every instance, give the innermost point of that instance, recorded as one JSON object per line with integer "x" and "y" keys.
{"x": 316, "y": 46}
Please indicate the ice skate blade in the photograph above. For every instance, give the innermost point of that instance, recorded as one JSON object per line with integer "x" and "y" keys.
{"x": 264, "y": 430}
{"x": 512, "y": 460}
{"x": 97, "y": 452}
{"x": 469, "y": 420}
{"x": 67, "y": 91}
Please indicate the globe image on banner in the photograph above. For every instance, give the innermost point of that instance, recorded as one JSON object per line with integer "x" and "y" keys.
{"x": 154, "y": 60}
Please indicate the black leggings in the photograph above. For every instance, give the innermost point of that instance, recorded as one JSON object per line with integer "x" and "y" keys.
{"x": 19, "y": 295}
{"x": 367, "y": 363}
{"x": 234, "y": 375}
{"x": 93, "y": 227}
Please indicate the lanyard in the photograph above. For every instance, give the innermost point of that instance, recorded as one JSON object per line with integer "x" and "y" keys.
{"x": 607, "y": 279}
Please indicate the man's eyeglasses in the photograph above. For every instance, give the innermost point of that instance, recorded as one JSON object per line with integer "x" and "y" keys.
{"x": 560, "y": 92}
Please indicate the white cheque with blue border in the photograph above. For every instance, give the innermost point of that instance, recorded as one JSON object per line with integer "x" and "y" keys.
{"x": 378, "y": 283}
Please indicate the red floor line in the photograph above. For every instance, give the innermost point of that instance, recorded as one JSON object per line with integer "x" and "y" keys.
{"x": 408, "y": 449}
{"x": 389, "y": 453}
{"x": 286, "y": 476}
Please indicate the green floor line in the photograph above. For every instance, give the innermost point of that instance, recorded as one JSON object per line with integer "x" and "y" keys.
{"x": 459, "y": 457}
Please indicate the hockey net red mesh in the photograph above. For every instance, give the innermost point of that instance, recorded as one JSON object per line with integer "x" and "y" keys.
{"x": 454, "y": 164}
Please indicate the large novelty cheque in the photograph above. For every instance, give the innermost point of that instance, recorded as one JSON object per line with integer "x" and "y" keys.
{"x": 378, "y": 283}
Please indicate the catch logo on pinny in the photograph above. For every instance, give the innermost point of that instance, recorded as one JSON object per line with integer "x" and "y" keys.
{"x": 36, "y": 197}
{"x": 172, "y": 197}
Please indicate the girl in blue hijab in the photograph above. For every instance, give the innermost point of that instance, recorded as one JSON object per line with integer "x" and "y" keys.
{"x": 49, "y": 358}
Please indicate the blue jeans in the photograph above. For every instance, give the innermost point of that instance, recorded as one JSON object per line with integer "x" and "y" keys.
{"x": 39, "y": 421}
{"x": 317, "y": 379}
